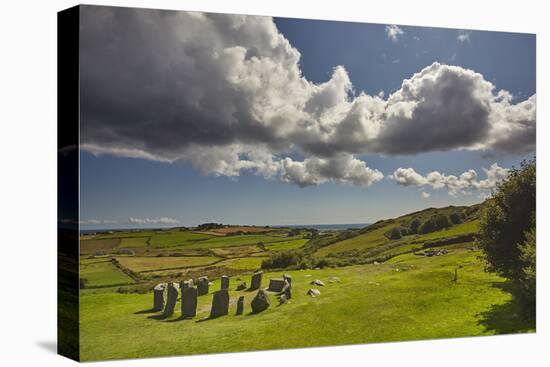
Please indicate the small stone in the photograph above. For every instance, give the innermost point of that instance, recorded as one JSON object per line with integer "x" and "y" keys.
{"x": 260, "y": 302}
{"x": 240, "y": 306}
{"x": 241, "y": 286}
{"x": 220, "y": 303}
{"x": 283, "y": 299}
{"x": 313, "y": 292}
{"x": 317, "y": 282}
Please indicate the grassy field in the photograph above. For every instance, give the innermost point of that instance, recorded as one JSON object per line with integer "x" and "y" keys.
{"x": 94, "y": 245}
{"x": 363, "y": 241}
{"x": 238, "y": 240}
{"x": 148, "y": 263}
{"x": 177, "y": 238}
{"x": 133, "y": 242}
{"x": 287, "y": 245}
{"x": 243, "y": 263}
{"x": 102, "y": 273}
{"x": 407, "y": 298}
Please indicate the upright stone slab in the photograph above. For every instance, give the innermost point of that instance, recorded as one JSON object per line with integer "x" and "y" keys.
{"x": 256, "y": 281}
{"x": 220, "y": 303}
{"x": 224, "y": 282}
{"x": 240, "y": 306}
{"x": 276, "y": 285}
{"x": 186, "y": 284}
{"x": 202, "y": 286}
{"x": 189, "y": 302}
{"x": 288, "y": 278}
{"x": 260, "y": 302}
{"x": 158, "y": 297}
{"x": 171, "y": 298}
{"x": 287, "y": 290}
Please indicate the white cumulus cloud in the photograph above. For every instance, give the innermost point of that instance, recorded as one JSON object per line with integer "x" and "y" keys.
{"x": 455, "y": 185}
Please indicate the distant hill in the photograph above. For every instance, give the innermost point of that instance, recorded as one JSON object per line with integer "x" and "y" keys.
{"x": 431, "y": 227}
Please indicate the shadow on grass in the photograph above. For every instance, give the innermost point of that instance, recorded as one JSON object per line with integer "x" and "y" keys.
{"x": 509, "y": 317}
{"x": 151, "y": 310}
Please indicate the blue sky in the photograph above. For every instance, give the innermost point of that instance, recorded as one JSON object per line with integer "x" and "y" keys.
{"x": 117, "y": 187}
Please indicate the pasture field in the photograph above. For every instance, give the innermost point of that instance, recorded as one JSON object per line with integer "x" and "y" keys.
{"x": 171, "y": 239}
{"x": 407, "y": 298}
{"x": 362, "y": 241}
{"x": 95, "y": 245}
{"x": 150, "y": 263}
{"x": 286, "y": 245}
{"x": 243, "y": 263}
{"x": 238, "y": 240}
{"x": 102, "y": 273}
{"x": 133, "y": 242}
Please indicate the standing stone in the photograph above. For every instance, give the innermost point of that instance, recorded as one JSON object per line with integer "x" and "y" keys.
{"x": 224, "y": 282}
{"x": 171, "y": 298}
{"x": 288, "y": 278}
{"x": 241, "y": 287}
{"x": 186, "y": 284}
{"x": 256, "y": 281}
{"x": 220, "y": 303}
{"x": 287, "y": 290}
{"x": 202, "y": 286}
{"x": 189, "y": 302}
{"x": 276, "y": 285}
{"x": 260, "y": 302}
{"x": 158, "y": 297}
{"x": 240, "y": 306}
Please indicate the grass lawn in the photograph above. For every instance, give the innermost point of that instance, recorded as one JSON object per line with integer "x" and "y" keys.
{"x": 101, "y": 273}
{"x": 149, "y": 263}
{"x": 408, "y": 298}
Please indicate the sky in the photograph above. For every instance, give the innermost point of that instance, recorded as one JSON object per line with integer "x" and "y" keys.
{"x": 189, "y": 118}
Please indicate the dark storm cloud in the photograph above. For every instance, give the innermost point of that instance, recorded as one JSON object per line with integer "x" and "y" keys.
{"x": 226, "y": 93}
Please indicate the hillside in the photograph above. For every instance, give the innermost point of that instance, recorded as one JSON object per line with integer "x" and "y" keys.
{"x": 412, "y": 232}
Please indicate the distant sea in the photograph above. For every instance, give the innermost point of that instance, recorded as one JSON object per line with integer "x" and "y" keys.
{"x": 326, "y": 227}
{"x": 319, "y": 227}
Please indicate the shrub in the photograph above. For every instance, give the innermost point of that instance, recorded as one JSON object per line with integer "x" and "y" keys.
{"x": 283, "y": 259}
{"x": 436, "y": 222}
{"x": 507, "y": 230}
{"x": 455, "y": 218}
{"x": 414, "y": 225}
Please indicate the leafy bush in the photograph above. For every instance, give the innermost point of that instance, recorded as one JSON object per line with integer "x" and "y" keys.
{"x": 507, "y": 230}
{"x": 283, "y": 259}
{"x": 414, "y": 225}
{"x": 456, "y": 218}
{"x": 436, "y": 222}
{"x": 396, "y": 233}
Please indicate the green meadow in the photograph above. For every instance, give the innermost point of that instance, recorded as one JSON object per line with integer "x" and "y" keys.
{"x": 390, "y": 281}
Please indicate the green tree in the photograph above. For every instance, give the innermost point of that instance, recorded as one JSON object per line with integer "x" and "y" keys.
{"x": 507, "y": 231}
